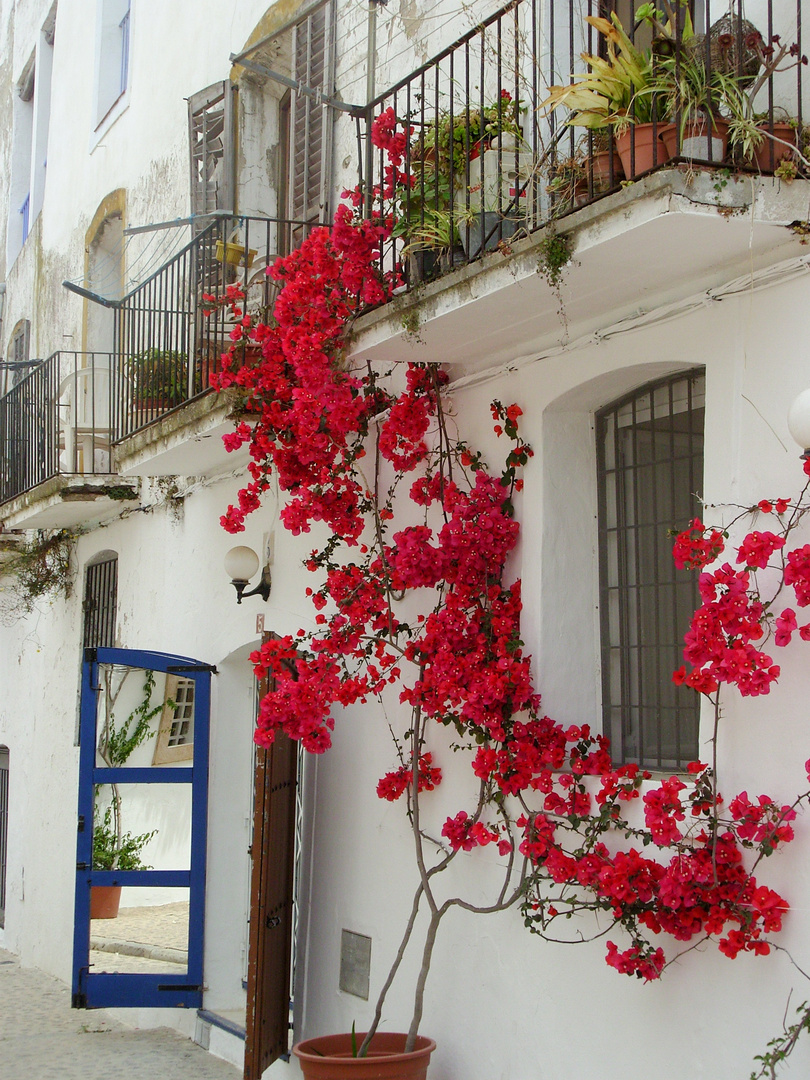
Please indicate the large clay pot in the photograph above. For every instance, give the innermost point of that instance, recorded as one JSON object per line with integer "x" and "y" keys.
{"x": 330, "y": 1058}
{"x": 646, "y": 144}
{"x": 104, "y": 901}
{"x": 694, "y": 141}
{"x": 762, "y": 154}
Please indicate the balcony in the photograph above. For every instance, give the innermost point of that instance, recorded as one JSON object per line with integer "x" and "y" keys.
{"x": 80, "y": 422}
{"x": 171, "y": 340}
{"x": 56, "y": 430}
{"x": 680, "y": 186}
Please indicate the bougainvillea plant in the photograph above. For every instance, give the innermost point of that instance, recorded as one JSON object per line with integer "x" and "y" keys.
{"x": 425, "y": 611}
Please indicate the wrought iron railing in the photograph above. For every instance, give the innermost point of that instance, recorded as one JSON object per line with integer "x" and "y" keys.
{"x": 491, "y": 154}
{"x": 170, "y": 336}
{"x": 67, "y": 414}
{"x": 57, "y": 421}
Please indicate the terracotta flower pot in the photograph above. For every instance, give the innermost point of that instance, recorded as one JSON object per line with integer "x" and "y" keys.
{"x": 104, "y": 901}
{"x": 330, "y": 1058}
{"x": 601, "y": 169}
{"x": 694, "y": 141}
{"x": 762, "y": 154}
{"x": 645, "y": 143}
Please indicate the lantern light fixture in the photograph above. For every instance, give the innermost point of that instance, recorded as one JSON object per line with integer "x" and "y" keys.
{"x": 241, "y": 563}
{"x": 799, "y": 422}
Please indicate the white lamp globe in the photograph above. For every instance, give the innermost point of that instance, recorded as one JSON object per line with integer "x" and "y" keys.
{"x": 799, "y": 420}
{"x": 241, "y": 563}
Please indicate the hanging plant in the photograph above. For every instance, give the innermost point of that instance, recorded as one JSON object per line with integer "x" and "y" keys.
{"x": 40, "y": 568}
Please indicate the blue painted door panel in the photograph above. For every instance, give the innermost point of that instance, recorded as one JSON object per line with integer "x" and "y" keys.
{"x": 97, "y": 989}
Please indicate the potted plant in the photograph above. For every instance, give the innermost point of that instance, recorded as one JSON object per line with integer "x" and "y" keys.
{"x": 158, "y": 379}
{"x": 617, "y": 94}
{"x": 445, "y": 203}
{"x": 761, "y": 139}
{"x": 114, "y": 848}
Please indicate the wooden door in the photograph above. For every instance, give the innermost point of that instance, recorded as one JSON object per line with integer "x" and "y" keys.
{"x": 271, "y": 905}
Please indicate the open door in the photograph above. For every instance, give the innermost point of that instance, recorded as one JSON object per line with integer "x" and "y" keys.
{"x": 143, "y": 784}
{"x": 271, "y": 904}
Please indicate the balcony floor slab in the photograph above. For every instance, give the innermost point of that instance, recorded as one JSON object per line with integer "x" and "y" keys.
{"x": 185, "y": 442}
{"x": 676, "y": 234}
{"x": 64, "y": 502}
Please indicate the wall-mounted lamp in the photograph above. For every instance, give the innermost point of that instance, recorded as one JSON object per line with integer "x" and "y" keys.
{"x": 799, "y": 422}
{"x": 241, "y": 563}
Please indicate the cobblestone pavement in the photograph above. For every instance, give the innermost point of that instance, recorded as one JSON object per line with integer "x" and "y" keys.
{"x": 141, "y": 939}
{"x": 42, "y": 1038}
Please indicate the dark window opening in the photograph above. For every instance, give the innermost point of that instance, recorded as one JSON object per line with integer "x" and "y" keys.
{"x": 100, "y": 602}
{"x": 650, "y": 475}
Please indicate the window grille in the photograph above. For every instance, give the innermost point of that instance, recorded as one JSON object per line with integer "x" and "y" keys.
{"x": 100, "y": 602}
{"x": 3, "y": 830}
{"x": 650, "y": 473}
{"x": 181, "y": 729}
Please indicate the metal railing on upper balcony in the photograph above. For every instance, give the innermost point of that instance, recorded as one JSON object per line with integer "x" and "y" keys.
{"x": 57, "y": 421}
{"x": 170, "y": 336}
{"x": 502, "y": 138}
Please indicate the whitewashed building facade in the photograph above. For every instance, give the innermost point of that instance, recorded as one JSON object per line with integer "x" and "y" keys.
{"x": 136, "y": 136}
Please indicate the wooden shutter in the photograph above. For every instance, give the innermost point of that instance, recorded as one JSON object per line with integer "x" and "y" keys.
{"x": 310, "y": 119}
{"x": 271, "y": 904}
{"x": 211, "y": 127}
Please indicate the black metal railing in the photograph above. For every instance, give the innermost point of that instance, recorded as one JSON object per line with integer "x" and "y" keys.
{"x": 67, "y": 414}
{"x": 57, "y": 421}
{"x": 171, "y": 336}
{"x": 490, "y": 150}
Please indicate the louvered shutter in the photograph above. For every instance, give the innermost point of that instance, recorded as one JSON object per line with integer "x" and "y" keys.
{"x": 311, "y": 120}
{"x": 271, "y": 904}
{"x": 211, "y": 128}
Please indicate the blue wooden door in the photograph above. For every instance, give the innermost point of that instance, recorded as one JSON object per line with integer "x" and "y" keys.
{"x": 143, "y": 784}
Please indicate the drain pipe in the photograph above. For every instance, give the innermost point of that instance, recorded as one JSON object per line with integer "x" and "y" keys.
{"x": 2, "y": 317}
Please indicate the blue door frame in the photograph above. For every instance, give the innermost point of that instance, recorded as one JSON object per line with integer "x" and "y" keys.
{"x": 93, "y": 990}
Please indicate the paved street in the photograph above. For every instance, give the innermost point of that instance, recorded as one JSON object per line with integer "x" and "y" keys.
{"x": 42, "y": 1038}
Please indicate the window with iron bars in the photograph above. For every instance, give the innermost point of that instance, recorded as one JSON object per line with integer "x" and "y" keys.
{"x": 100, "y": 603}
{"x": 650, "y": 473}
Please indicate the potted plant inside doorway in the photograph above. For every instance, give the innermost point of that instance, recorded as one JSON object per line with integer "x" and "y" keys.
{"x": 113, "y": 847}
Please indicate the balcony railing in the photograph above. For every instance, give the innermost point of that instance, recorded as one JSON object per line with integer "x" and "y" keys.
{"x": 490, "y": 151}
{"x": 67, "y": 414}
{"x": 170, "y": 338}
{"x": 57, "y": 421}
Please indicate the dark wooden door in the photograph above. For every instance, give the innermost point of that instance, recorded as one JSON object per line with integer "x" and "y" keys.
{"x": 271, "y": 906}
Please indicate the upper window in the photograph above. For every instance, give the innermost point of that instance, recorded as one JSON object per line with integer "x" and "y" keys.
{"x": 31, "y": 114}
{"x": 650, "y": 474}
{"x": 112, "y": 55}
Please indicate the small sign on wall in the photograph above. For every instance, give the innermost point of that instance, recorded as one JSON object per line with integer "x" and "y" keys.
{"x": 355, "y": 963}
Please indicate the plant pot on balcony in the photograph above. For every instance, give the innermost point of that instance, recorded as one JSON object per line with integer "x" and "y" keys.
{"x": 330, "y": 1058}
{"x": 641, "y": 147}
{"x": 105, "y": 901}
{"x": 786, "y": 133}
{"x": 600, "y": 169}
{"x": 235, "y": 254}
{"x": 476, "y": 235}
{"x": 694, "y": 142}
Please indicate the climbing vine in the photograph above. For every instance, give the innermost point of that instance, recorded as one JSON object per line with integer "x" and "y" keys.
{"x": 39, "y": 568}
{"x": 426, "y": 617}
